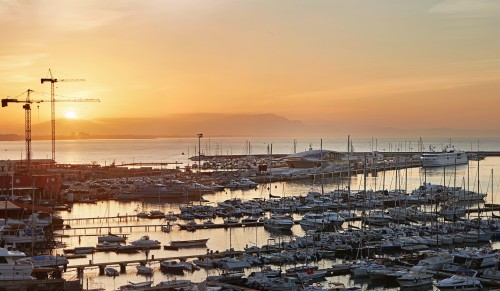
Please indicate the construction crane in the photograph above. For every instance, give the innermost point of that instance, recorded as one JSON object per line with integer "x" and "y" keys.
{"x": 27, "y": 115}
{"x": 52, "y": 81}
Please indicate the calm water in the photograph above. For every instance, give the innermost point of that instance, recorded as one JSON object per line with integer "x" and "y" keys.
{"x": 179, "y": 150}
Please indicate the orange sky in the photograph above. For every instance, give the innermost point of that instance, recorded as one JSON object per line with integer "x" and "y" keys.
{"x": 403, "y": 64}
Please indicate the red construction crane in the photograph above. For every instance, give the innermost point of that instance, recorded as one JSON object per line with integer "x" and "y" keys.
{"x": 52, "y": 81}
{"x": 27, "y": 116}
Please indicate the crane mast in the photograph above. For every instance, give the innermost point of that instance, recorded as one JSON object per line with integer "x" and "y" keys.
{"x": 27, "y": 116}
{"x": 52, "y": 81}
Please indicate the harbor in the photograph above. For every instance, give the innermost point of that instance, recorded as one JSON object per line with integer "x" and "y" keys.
{"x": 234, "y": 210}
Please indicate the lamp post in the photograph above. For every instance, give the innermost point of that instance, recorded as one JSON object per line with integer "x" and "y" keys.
{"x": 200, "y": 135}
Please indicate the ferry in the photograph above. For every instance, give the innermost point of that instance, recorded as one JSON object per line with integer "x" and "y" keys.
{"x": 447, "y": 157}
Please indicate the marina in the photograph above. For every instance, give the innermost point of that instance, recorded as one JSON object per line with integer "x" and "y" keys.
{"x": 224, "y": 229}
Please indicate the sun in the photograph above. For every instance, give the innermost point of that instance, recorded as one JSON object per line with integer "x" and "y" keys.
{"x": 70, "y": 115}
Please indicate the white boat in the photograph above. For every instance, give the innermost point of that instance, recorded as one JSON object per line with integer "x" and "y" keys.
{"x": 11, "y": 269}
{"x": 416, "y": 277}
{"x": 111, "y": 272}
{"x": 464, "y": 282}
{"x": 471, "y": 259}
{"x": 145, "y": 242}
{"x": 21, "y": 236}
{"x": 46, "y": 261}
{"x": 278, "y": 222}
{"x": 136, "y": 286}
{"x": 435, "y": 262}
{"x": 247, "y": 183}
{"x": 492, "y": 273}
{"x": 111, "y": 238}
{"x": 144, "y": 270}
{"x": 447, "y": 157}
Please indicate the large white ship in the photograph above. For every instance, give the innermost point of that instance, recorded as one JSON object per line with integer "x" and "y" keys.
{"x": 447, "y": 157}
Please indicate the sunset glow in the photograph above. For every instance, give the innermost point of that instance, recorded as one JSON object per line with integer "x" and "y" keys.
{"x": 343, "y": 65}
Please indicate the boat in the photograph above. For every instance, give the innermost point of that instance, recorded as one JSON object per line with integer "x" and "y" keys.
{"x": 111, "y": 272}
{"x": 111, "y": 238}
{"x": 11, "y": 269}
{"x": 416, "y": 277}
{"x": 167, "y": 227}
{"x": 136, "y": 286}
{"x": 146, "y": 242}
{"x": 247, "y": 183}
{"x": 17, "y": 236}
{"x": 175, "y": 267}
{"x": 174, "y": 284}
{"x": 189, "y": 243}
{"x": 46, "y": 261}
{"x": 144, "y": 270}
{"x": 465, "y": 281}
{"x": 278, "y": 222}
{"x": 471, "y": 259}
{"x": 447, "y": 157}
{"x": 107, "y": 246}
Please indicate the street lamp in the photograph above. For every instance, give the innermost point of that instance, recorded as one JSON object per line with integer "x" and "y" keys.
{"x": 200, "y": 135}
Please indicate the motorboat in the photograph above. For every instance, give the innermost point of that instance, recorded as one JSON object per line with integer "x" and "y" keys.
{"x": 278, "y": 222}
{"x": 174, "y": 284}
{"x": 46, "y": 261}
{"x": 247, "y": 183}
{"x": 17, "y": 236}
{"x": 416, "y": 277}
{"x": 435, "y": 262}
{"x": 175, "y": 267}
{"x": 471, "y": 259}
{"x": 136, "y": 286}
{"x": 111, "y": 238}
{"x": 107, "y": 246}
{"x": 144, "y": 270}
{"x": 146, "y": 242}
{"x": 447, "y": 157}
{"x": 111, "y": 272}
{"x": 189, "y": 243}
{"x": 11, "y": 269}
{"x": 465, "y": 281}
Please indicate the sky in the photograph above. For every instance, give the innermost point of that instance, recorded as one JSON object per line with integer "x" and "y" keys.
{"x": 390, "y": 63}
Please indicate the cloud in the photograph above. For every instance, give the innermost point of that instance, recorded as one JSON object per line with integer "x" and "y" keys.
{"x": 467, "y": 8}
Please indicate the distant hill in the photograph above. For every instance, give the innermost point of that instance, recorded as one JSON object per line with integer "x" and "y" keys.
{"x": 243, "y": 125}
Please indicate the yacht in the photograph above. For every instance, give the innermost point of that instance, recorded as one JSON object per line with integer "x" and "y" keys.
{"x": 111, "y": 238}
{"x": 46, "y": 261}
{"x": 145, "y": 242}
{"x": 465, "y": 282}
{"x": 21, "y": 236}
{"x": 278, "y": 221}
{"x": 11, "y": 269}
{"x": 447, "y": 157}
{"x": 416, "y": 277}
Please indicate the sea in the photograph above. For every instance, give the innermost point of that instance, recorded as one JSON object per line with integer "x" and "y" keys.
{"x": 477, "y": 174}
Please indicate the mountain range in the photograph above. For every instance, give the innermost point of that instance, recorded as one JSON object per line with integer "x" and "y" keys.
{"x": 188, "y": 125}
